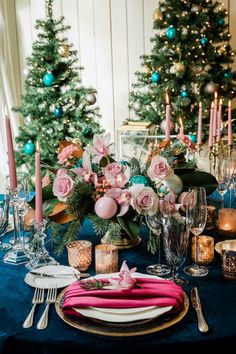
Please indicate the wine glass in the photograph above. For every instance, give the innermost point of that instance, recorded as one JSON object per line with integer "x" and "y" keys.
{"x": 154, "y": 223}
{"x": 197, "y": 215}
{"x": 4, "y": 215}
{"x": 222, "y": 188}
{"x": 176, "y": 239}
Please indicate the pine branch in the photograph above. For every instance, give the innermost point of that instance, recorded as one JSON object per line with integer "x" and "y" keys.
{"x": 100, "y": 226}
{"x": 62, "y": 235}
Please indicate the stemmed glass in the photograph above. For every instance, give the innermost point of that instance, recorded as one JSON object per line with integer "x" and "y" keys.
{"x": 222, "y": 188}
{"x": 154, "y": 223}
{"x": 4, "y": 215}
{"x": 197, "y": 215}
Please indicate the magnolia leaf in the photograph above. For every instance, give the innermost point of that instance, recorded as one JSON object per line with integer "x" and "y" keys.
{"x": 49, "y": 206}
{"x": 199, "y": 179}
{"x": 130, "y": 227}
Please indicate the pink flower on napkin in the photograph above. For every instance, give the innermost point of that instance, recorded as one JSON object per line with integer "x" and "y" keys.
{"x": 125, "y": 281}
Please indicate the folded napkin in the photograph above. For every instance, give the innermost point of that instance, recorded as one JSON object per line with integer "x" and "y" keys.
{"x": 149, "y": 292}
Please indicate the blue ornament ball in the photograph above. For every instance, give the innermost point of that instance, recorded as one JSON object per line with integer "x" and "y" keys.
{"x": 48, "y": 79}
{"x": 204, "y": 41}
{"x": 156, "y": 77}
{"x": 221, "y": 21}
{"x": 139, "y": 179}
{"x": 228, "y": 75}
{"x": 29, "y": 148}
{"x": 184, "y": 93}
{"x": 193, "y": 138}
{"x": 171, "y": 33}
{"x": 58, "y": 112}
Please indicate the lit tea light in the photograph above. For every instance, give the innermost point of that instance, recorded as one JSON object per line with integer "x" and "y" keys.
{"x": 205, "y": 249}
{"x": 227, "y": 222}
{"x": 106, "y": 258}
{"x": 80, "y": 254}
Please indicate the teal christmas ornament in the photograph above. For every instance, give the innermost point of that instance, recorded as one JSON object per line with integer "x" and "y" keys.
{"x": 221, "y": 21}
{"x": 184, "y": 93}
{"x": 48, "y": 79}
{"x": 139, "y": 179}
{"x": 58, "y": 111}
{"x": 171, "y": 33}
{"x": 193, "y": 138}
{"x": 156, "y": 77}
{"x": 204, "y": 41}
{"x": 124, "y": 163}
{"x": 29, "y": 148}
{"x": 79, "y": 163}
{"x": 228, "y": 75}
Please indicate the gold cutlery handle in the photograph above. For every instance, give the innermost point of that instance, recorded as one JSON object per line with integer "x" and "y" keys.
{"x": 202, "y": 325}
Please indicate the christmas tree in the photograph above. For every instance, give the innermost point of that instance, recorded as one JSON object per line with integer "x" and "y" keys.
{"x": 55, "y": 106}
{"x": 190, "y": 60}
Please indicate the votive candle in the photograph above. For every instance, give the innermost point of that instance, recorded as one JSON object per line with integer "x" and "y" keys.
{"x": 199, "y": 134}
{"x": 38, "y": 188}
{"x": 106, "y": 258}
{"x": 167, "y": 133}
{"x": 205, "y": 249}
{"x": 227, "y": 222}
{"x": 11, "y": 155}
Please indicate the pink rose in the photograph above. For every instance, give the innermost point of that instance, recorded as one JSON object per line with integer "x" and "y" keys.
{"x": 66, "y": 154}
{"x": 116, "y": 174}
{"x": 63, "y": 187}
{"x": 144, "y": 200}
{"x": 159, "y": 168}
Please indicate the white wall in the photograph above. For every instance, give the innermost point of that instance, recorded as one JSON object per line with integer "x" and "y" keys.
{"x": 110, "y": 36}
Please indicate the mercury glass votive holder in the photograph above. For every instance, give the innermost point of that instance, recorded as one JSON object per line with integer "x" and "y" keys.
{"x": 227, "y": 222}
{"x": 106, "y": 258}
{"x": 205, "y": 249}
{"x": 80, "y": 254}
{"x": 228, "y": 263}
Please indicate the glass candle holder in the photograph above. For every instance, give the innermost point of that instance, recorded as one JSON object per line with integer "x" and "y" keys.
{"x": 106, "y": 258}
{"x": 79, "y": 254}
{"x": 211, "y": 217}
{"x": 228, "y": 263}
{"x": 227, "y": 222}
{"x": 205, "y": 246}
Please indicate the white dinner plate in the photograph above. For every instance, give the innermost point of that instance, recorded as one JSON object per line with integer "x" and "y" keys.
{"x": 45, "y": 283}
{"x": 123, "y": 315}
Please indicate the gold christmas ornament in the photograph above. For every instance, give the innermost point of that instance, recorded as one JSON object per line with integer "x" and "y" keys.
{"x": 63, "y": 50}
{"x": 147, "y": 69}
{"x": 222, "y": 50}
{"x": 157, "y": 15}
{"x": 180, "y": 68}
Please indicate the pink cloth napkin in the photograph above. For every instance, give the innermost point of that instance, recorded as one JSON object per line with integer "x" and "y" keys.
{"x": 153, "y": 292}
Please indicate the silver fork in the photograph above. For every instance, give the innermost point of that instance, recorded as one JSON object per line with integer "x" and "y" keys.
{"x": 38, "y": 298}
{"x": 51, "y": 298}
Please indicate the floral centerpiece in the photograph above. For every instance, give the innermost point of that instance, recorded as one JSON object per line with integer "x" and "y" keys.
{"x": 115, "y": 195}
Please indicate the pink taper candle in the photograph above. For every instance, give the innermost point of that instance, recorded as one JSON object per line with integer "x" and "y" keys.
{"x": 167, "y": 135}
{"x": 215, "y": 115}
{"x": 210, "y": 141}
{"x": 181, "y": 126}
{"x": 230, "y": 136}
{"x": 199, "y": 133}
{"x": 219, "y": 121}
{"x": 38, "y": 188}
{"x": 11, "y": 156}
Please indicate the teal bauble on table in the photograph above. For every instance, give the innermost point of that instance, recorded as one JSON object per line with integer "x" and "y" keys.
{"x": 29, "y": 148}
{"x": 48, "y": 79}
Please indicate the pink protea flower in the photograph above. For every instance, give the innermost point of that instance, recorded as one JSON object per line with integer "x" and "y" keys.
{"x": 66, "y": 154}
{"x": 101, "y": 147}
{"x": 86, "y": 171}
{"x": 159, "y": 168}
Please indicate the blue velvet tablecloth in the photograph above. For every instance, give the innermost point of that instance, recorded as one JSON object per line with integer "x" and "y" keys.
{"x": 218, "y": 297}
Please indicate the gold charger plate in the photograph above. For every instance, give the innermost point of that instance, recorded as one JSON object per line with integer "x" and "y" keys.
{"x": 116, "y": 330}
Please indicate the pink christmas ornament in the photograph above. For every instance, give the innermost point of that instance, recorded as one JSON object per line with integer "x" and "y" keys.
{"x": 105, "y": 207}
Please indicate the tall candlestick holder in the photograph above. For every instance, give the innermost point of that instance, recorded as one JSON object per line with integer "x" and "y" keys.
{"x": 17, "y": 255}
{"x": 41, "y": 256}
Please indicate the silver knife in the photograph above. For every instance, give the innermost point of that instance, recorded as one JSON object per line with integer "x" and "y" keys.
{"x": 46, "y": 275}
{"x": 202, "y": 325}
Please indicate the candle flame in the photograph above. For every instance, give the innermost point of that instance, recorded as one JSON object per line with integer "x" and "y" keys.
{"x": 229, "y": 104}
{"x": 167, "y": 98}
{"x": 37, "y": 146}
{"x": 220, "y": 102}
{"x": 200, "y": 104}
{"x": 212, "y": 105}
{"x": 215, "y": 95}
{"x": 5, "y": 110}
{"x": 181, "y": 122}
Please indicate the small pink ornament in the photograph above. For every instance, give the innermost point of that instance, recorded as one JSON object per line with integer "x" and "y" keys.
{"x": 105, "y": 207}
